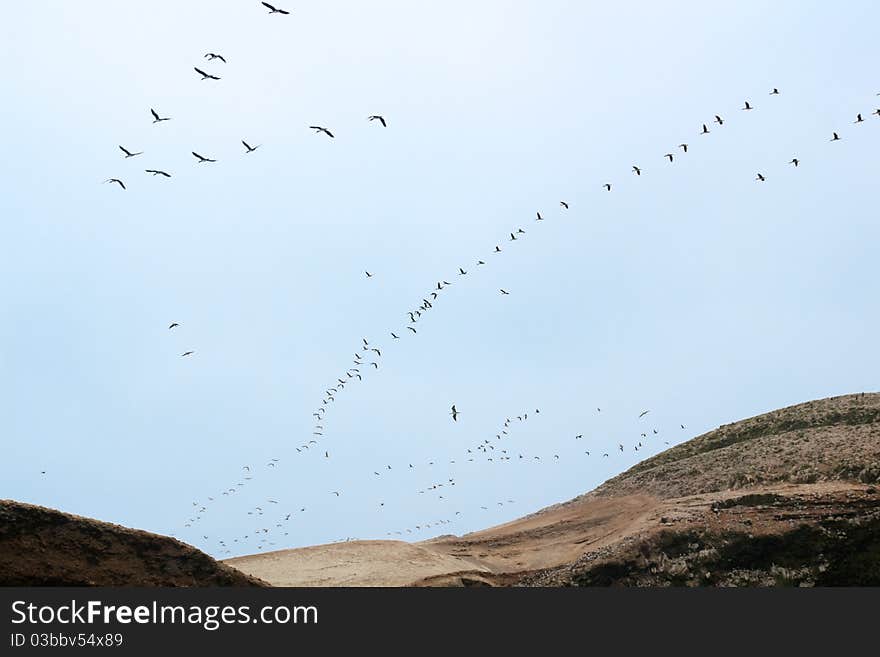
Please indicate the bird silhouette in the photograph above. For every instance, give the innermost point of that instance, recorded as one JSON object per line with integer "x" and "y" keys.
{"x": 683, "y": 147}
{"x": 454, "y": 413}
{"x": 563, "y": 204}
{"x": 607, "y": 186}
{"x": 670, "y": 156}
{"x": 212, "y": 56}
{"x": 128, "y": 153}
{"x": 318, "y": 129}
{"x": 705, "y": 130}
{"x": 747, "y": 106}
{"x": 775, "y": 92}
{"x": 157, "y": 118}
{"x": 637, "y": 171}
{"x": 834, "y": 137}
{"x": 274, "y": 10}
{"x": 760, "y": 178}
{"x": 157, "y": 172}
{"x": 205, "y": 76}
{"x": 173, "y": 325}
{"x": 250, "y": 149}
{"x": 187, "y": 353}
{"x": 202, "y": 159}
{"x": 380, "y": 119}
{"x": 117, "y": 181}
{"x": 795, "y": 161}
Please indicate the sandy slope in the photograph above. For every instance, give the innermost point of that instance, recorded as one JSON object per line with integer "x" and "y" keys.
{"x": 353, "y": 563}
{"x": 554, "y": 537}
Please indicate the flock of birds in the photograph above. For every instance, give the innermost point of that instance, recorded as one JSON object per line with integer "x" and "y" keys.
{"x": 272, "y": 519}
{"x": 367, "y": 358}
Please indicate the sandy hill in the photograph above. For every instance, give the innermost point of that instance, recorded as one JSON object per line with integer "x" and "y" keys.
{"x": 44, "y": 547}
{"x": 784, "y": 498}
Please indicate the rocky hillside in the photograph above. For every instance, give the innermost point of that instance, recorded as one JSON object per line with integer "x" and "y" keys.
{"x": 835, "y": 439}
{"x": 44, "y": 547}
{"x": 785, "y": 498}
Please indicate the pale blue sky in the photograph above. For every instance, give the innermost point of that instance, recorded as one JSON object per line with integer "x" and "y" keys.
{"x": 692, "y": 290}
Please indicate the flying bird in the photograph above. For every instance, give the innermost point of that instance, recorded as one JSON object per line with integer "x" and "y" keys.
{"x": 747, "y": 106}
{"x": 563, "y": 204}
{"x": 380, "y": 119}
{"x": 795, "y": 161}
{"x": 643, "y": 413}
{"x": 369, "y": 275}
{"x": 212, "y": 56}
{"x": 187, "y": 353}
{"x": 157, "y": 172}
{"x": 274, "y": 10}
{"x": 540, "y": 218}
{"x": 205, "y": 76}
{"x": 396, "y": 337}
{"x": 250, "y": 149}
{"x": 128, "y": 153}
{"x": 834, "y": 137}
{"x": 670, "y": 156}
{"x": 859, "y": 119}
{"x": 504, "y": 292}
{"x": 318, "y": 129}
{"x": 115, "y": 180}
{"x": 172, "y": 325}
{"x": 202, "y": 159}
{"x": 637, "y": 171}
{"x": 157, "y": 118}
{"x": 683, "y": 147}
{"x": 705, "y": 130}
{"x": 607, "y": 186}
{"x": 454, "y": 413}
{"x": 760, "y": 178}
{"x": 775, "y": 92}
